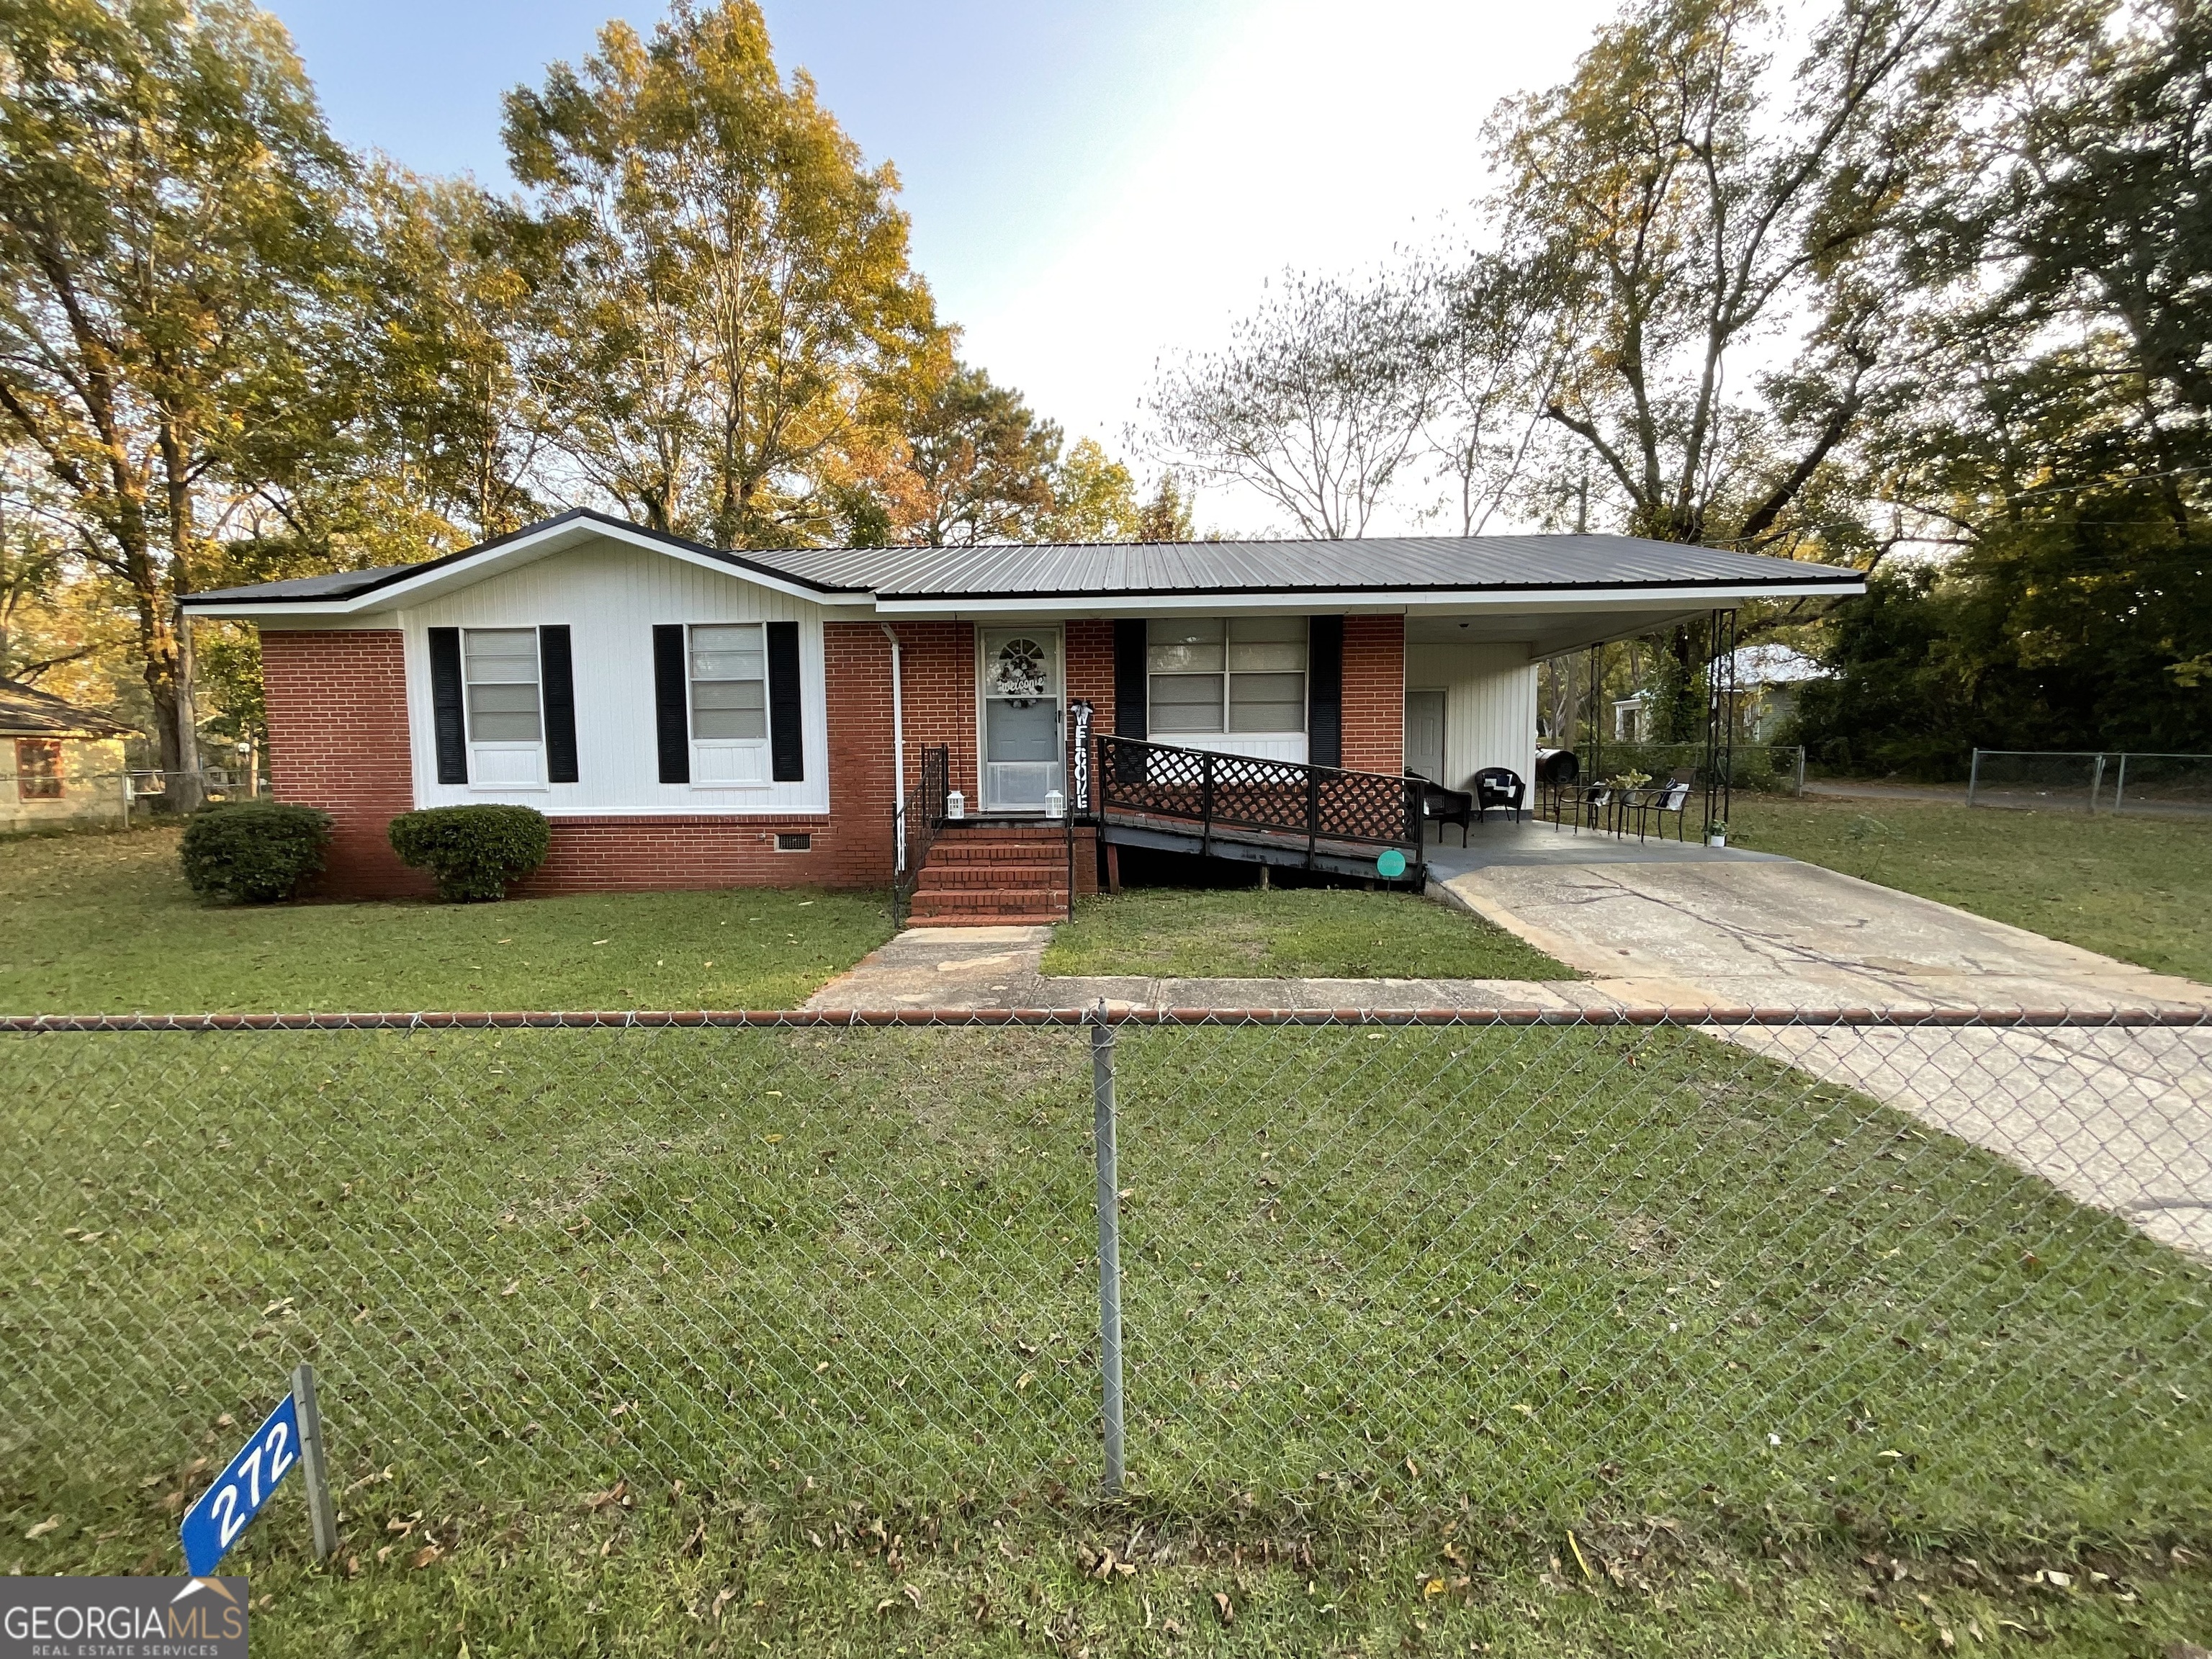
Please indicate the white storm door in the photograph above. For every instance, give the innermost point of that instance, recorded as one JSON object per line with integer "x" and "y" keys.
{"x": 1021, "y": 714}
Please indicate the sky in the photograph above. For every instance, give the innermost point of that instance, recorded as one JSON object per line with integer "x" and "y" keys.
{"x": 1093, "y": 184}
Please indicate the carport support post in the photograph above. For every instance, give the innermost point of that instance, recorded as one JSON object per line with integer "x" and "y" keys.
{"x": 314, "y": 1466}
{"x": 1109, "y": 1238}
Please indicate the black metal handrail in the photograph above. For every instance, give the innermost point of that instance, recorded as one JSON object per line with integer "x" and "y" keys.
{"x": 914, "y": 823}
{"x": 1137, "y": 779}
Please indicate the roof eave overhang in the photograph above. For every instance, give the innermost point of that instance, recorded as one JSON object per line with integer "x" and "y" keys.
{"x": 1408, "y": 600}
{"x": 558, "y": 536}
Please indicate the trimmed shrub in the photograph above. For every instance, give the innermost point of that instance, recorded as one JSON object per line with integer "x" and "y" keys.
{"x": 472, "y": 853}
{"x": 257, "y": 851}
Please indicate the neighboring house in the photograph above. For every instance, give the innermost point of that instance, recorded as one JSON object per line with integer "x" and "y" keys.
{"x": 59, "y": 765}
{"x": 693, "y": 717}
{"x": 1766, "y": 680}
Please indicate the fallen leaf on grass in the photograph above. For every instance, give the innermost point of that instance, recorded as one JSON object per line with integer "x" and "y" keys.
{"x": 513, "y": 1285}
{"x": 1434, "y": 1587}
{"x": 1225, "y": 1608}
{"x": 44, "y": 1528}
{"x": 722, "y": 1599}
{"x": 423, "y": 1557}
{"x": 613, "y": 1494}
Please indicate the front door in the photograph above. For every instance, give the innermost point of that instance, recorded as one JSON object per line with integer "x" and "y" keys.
{"x": 1021, "y": 718}
{"x": 1425, "y": 733}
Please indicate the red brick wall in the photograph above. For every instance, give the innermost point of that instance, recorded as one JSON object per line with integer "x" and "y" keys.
{"x": 1375, "y": 693}
{"x": 1090, "y": 669}
{"x": 937, "y": 680}
{"x": 337, "y": 739}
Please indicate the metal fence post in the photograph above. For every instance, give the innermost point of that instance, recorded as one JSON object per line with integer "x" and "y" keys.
{"x": 2096, "y": 783}
{"x": 1110, "y": 1239}
{"x": 2120, "y": 786}
{"x": 1974, "y": 777}
{"x": 315, "y": 1466}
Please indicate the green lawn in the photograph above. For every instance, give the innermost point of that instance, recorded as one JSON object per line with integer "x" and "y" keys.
{"x": 104, "y": 923}
{"x": 1410, "y": 1316}
{"x": 1288, "y": 932}
{"x": 2137, "y": 888}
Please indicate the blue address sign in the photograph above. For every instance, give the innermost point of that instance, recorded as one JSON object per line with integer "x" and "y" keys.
{"x": 212, "y": 1525}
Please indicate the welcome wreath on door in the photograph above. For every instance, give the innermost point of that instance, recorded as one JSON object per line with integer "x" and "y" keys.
{"x": 1020, "y": 672}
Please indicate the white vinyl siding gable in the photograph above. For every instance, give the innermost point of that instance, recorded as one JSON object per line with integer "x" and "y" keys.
{"x": 611, "y": 595}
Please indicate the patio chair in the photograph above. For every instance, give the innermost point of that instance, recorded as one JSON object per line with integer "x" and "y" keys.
{"x": 1593, "y": 803}
{"x": 1557, "y": 773}
{"x": 1440, "y": 806}
{"x": 1657, "y": 803}
{"x": 1498, "y": 789}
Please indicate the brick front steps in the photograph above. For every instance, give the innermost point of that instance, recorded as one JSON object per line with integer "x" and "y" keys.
{"x": 994, "y": 877}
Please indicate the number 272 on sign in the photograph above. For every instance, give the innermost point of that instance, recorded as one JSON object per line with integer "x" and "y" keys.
{"x": 213, "y": 1524}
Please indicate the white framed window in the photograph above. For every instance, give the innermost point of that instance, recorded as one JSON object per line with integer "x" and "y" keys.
{"x": 728, "y": 669}
{"x": 1246, "y": 674}
{"x": 506, "y": 715}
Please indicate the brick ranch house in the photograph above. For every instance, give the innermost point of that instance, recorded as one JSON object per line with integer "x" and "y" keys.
{"x": 690, "y": 717}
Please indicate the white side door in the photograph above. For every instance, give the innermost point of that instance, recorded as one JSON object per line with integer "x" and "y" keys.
{"x": 1425, "y": 733}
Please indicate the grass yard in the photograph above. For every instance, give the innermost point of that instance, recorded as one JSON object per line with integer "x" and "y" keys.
{"x": 105, "y": 924}
{"x": 2139, "y": 889}
{"x": 1286, "y": 933}
{"x": 644, "y": 1342}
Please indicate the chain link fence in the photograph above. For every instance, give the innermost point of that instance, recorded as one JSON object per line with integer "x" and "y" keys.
{"x": 2091, "y": 780}
{"x": 1944, "y": 1278}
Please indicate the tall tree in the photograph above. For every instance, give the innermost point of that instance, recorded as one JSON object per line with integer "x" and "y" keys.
{"x": 168, "y": 204}
{"x": 718, "y": 277}
{"x": 1695, "y": 213}
{"x": 982, "y": 464}
{"x": 1316, "y": 402}
{"x": 1094, "y": 498}
{"x": 1501, "y": 335}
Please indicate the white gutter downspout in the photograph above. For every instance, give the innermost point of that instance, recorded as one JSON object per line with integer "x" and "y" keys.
{"x": 898, "y": 754}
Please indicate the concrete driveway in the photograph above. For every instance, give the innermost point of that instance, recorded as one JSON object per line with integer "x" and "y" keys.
{"x": 2117, "y": 1117}
{"x": 1689, "y": 925}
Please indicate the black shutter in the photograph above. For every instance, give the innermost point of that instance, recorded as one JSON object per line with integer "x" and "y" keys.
{"x": 672, "y": 719}
{"x": 787, "y": 739}
{"x": 1129, "y": 716}
{"x": 556, "y": 671}
{"x": 445, "y": 718}
{"x": 1325, "y": 690}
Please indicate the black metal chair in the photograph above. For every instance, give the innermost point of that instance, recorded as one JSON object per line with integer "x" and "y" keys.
{"x": 1440, "y": 806}
{"x": 1557, "y": 772}
{"x": 1648, "y": 804}
{"x": 1593, "y": 804}
{"x": 1498, "y": 789}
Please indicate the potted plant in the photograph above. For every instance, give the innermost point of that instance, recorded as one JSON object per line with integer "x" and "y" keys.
{"x": 1717, "y": 833}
